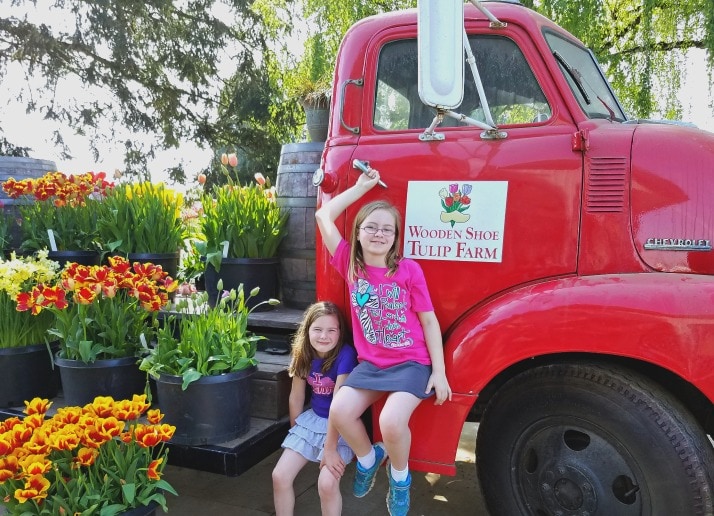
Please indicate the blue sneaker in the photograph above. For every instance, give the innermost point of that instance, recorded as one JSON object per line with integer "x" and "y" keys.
{"x": 364, "y": 478}
{"x": 398, "y": 495}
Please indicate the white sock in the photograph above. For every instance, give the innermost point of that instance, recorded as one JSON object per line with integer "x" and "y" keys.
{"x": 368, "y": 460}
{"x": 399, "y": 475}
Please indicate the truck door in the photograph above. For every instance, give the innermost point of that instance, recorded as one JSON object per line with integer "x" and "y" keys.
{"x": 519, "y": 196}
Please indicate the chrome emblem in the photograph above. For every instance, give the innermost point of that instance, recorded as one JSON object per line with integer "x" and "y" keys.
{"x": 678, "y": 244}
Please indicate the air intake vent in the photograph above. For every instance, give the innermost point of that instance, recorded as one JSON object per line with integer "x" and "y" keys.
{"x": 606, "y": 185}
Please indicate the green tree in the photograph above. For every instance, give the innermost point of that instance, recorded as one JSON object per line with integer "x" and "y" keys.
{"x": 641, "y": 45}
{"x": 161, "y": 66}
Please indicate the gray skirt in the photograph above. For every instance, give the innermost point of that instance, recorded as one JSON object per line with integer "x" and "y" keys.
{"x": 411, "y": 377}
{"x": 308, "y": 436}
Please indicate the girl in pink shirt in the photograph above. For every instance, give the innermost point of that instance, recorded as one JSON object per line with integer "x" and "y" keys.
{"x": 396, "y": 335}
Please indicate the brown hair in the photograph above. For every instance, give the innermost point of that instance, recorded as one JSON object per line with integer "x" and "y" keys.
{"x": 356, "y": 265}
{"x": 302, "y": 352}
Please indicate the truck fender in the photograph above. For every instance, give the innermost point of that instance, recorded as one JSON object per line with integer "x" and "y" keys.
{"x": 663, "y": 319}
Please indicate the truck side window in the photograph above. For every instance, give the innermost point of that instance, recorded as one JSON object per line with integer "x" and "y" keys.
{"x": 513, "y": 94}
{"x": 585, "y": 79}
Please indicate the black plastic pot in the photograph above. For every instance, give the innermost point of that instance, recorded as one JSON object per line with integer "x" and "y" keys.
{"x": 251, "y": 272}
{"x": 212, "y": 410}
{"x": 26, "y": 372}
{"x": 119, "y": 378}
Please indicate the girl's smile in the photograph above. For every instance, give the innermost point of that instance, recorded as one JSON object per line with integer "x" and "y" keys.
{"x": 376, "y": 236}
{"x": 324, "y": 334}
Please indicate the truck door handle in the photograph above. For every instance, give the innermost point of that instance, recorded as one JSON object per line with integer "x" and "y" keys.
{"x": 363, "y": 166}
{"x": 357, "y": 82}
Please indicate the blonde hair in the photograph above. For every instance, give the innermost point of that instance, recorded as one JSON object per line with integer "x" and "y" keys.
{"x": 302, "y": 351}
{"x": 356, "y": 265}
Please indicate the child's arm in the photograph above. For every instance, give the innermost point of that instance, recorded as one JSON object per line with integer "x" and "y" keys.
{"x": 328, "y": 212}
{"x": 330, "y": 458}
{"x": 296, "y": 401}
{"x": 435, "y": 345}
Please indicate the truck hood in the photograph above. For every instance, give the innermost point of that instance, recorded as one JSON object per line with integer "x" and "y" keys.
{"x": 672, "y": 197}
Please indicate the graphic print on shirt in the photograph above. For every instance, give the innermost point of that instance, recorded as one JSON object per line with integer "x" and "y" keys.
{"x": 321, "y": 384}
{"x": 382, "y": 313}
{"x": 364, "y": 299}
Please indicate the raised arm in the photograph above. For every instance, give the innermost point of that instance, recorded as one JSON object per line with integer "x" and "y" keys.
{"x": 329, "y": 211}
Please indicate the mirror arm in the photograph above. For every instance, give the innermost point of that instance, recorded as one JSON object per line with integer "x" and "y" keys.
{"x": 495, "y": 22}
{"x": 471, "y": 60}
{"x": 429, "y": 135}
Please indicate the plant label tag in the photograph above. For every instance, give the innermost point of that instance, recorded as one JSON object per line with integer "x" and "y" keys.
{"x": 225, "y": 249}
{"x": 53, "y": 242}
{"x": 142, "y": 339}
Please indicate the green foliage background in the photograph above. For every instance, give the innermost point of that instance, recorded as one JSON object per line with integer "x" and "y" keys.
{"x": 228, "y": 74}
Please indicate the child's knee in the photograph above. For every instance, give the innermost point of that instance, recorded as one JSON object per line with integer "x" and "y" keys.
{"x": 392, "y": 426}
{"x": 327, "y": 484}
{"x": 280, "y": 478}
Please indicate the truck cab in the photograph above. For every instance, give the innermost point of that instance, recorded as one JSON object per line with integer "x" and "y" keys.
{"x": 568, "y": 254}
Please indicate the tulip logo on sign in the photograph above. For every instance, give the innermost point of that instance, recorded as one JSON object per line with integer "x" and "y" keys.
{"x": 455, "y": 202}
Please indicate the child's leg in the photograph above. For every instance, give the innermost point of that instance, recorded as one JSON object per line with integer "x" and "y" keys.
{"x": 394, "y": 425}
{"x": 330, "y": 497}
{"x": 287, "y": 468}
{"x": 346, "y": 410}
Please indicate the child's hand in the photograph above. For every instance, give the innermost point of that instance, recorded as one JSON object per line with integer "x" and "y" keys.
{"x": 369, "y": 180}
{"x": 333, "y": 462}
{"x": 440, "y": 384}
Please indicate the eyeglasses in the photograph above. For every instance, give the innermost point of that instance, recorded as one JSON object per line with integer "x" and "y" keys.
{"x": 372, "y": 230}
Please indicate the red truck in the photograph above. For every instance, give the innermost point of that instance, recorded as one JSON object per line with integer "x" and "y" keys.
{"x": 567, "y": 250}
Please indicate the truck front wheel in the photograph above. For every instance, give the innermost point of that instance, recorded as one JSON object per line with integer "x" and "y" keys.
{"x": 591, "y": 440}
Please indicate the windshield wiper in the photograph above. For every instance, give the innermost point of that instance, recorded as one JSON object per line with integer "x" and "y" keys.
{"x": 574, "y": 74}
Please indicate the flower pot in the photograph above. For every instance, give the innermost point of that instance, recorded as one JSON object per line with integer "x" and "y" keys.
{"x": 26, "y": 372}
{"x": 251, "y": 272}
{"x": 317, "y": 121}
{"x": 80, "y": 257}
{"x": 119, "y": 378}
{"x": 168, "y": 261}
{"x": 212, "y": 410}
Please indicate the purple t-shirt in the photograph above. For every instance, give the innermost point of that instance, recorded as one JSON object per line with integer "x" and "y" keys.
{"x": 323, "y": 384}
{"x": 385, "y": 325}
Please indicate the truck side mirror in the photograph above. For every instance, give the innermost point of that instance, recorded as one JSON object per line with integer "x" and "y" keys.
{"x": 441, "y": 52}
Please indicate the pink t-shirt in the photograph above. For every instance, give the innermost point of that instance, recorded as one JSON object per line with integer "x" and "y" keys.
{"x": 385, "y": 325}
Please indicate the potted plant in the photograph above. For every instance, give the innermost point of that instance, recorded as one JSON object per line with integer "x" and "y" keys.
{"x": 310, "y": 83}
{"x": 62, "y": 216}
{"x": 202, "y": 362}
{"x": 25, "y": 357}
{"x": 96, "y": 459}
{"x": 242, "y": 227}
{"x": 143, "y": 223}
{"x": 102, "y": 313}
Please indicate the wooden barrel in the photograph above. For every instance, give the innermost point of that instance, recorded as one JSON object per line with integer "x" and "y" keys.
{"x": 20, "y": 168}
{"x": 295, "y": 192}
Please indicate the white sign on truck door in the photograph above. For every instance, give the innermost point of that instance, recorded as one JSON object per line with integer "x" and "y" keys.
{"x": 455, "y": 221}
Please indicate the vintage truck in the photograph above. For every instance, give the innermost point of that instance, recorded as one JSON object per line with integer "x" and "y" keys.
{"x": 567, "y": 250}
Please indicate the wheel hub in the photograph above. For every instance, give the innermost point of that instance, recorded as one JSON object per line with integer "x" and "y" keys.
{"x": 566, "y": 470}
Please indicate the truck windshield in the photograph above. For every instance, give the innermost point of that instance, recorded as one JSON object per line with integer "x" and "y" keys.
{"x": 585, "y": 79}
{"x": 512, "y": 91}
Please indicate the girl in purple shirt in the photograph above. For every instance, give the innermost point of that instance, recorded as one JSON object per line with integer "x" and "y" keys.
{"x": 322, "y": 361}
{"x": 396, "y": 334}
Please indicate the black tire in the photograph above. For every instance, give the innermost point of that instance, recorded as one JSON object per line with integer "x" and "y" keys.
{"x": 591, "y": 440}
